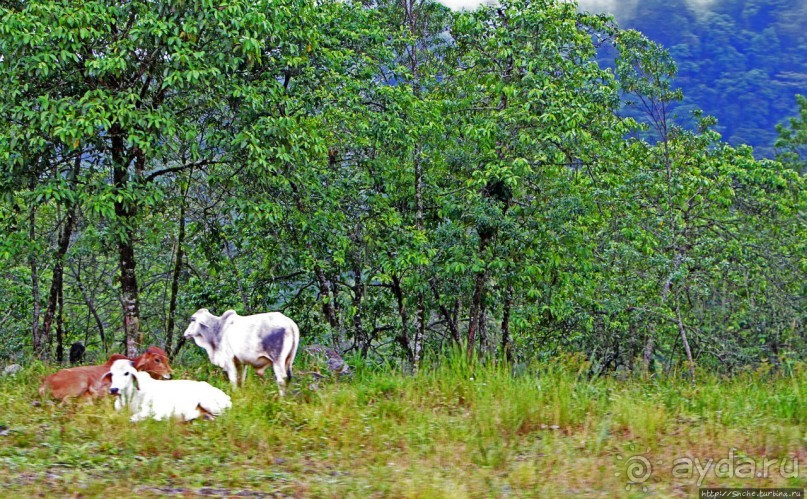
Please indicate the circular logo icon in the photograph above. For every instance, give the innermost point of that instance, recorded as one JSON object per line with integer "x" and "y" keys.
{"x": 638, "y": 469}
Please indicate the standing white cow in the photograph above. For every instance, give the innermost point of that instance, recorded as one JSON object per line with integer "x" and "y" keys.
{"x": 150, "y": 398}
{"x": 233, "y": 341}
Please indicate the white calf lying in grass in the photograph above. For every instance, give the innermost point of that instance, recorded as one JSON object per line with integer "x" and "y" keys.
{"x": 150, "y": 398}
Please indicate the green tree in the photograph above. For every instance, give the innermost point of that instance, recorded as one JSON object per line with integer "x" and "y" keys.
{"x": 530, "y": 112}
{"x": 139, "y": 85}
{"x": 792, "y": 143}
{"x": 691, "y": 219}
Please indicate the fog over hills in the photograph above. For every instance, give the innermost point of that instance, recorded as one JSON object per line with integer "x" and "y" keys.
{"x": 625, "y": 9}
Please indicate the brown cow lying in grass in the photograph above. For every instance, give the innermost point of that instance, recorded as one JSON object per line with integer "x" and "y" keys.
{"x": 87, "y": 381}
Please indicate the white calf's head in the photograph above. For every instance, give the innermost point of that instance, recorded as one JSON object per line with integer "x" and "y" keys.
{"x": 123, "y": 379}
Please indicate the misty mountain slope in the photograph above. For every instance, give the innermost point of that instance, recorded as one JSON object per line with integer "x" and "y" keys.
{"x": 742, "y": 61}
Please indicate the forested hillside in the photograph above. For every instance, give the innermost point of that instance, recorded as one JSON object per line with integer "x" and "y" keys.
{"x": 398, "y": 178}
{"x": 742, "y": 61}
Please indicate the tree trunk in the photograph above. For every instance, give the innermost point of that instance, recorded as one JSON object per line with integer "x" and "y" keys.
{"x": 682, "y": 331}
{"x": 91, "y": 306}
{"x": 172, "y": 302}
{"x": 665, "y": 291}
{"x": 476, "y": 305}
{"x": 507, "y": 347}
{"x": 451, "y": 319}
{"x": 413, "y": 53}
{"x": 237, "y": 274}
{"x": 476, "y": 299}
{"x": 632, "y": 339}
{"x": 420, "y": 326}
{"x": 403, "y": 336}
{"x": 125, "y": 213}
{"x": 484, "y": 339}
{"x": 180, "y": 254}
{"x": 60, "y": 327}
{"x": 39, "y": 340}
{"x": 337, "y": 309}
{"x": 129, "y": 299}
{"x": 327, "y": 304}
{"x": 648, "y": 353}
{"x": 358, "y": 328}
{"x": 420, "y": 332}
{"x": 57, "y": 284}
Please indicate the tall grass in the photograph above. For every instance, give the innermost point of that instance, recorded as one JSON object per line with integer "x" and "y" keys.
{"x": 455, "y": 429}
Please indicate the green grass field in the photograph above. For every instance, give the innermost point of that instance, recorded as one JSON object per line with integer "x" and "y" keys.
{"x": 455, "y": 430}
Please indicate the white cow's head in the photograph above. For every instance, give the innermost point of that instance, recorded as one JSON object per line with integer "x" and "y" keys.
{"x": 123, "y": 378}
{"x": 204, "y": 329}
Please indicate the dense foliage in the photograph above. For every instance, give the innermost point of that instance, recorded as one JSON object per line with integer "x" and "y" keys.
{"x": 394, "y": 176}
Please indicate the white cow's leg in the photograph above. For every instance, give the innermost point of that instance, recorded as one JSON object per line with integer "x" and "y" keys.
{"x": 232, "y": 374}
{"x": 280, "y": 374}
{"x": 139, "y": 416}
{"x": 243, "y": 374}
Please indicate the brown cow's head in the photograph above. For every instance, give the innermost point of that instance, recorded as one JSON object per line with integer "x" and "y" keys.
{"x": 113, "y": 358}
{"x": 154, "y": 362}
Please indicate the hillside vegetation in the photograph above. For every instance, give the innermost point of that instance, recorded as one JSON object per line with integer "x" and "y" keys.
{"x": 741, "y": 61}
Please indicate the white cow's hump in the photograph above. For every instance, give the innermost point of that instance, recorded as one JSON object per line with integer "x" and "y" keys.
{"x": 244, "y": 324}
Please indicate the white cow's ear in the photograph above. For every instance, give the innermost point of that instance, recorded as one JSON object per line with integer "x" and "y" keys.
{"x": 136, "y": 382}
{"x": 131, "y": 363}
{"x": 107, "y": 375}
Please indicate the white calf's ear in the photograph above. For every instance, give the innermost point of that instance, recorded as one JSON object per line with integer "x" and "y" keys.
{"x": 136, "y": 382}
{"x": 107, "y": 375}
